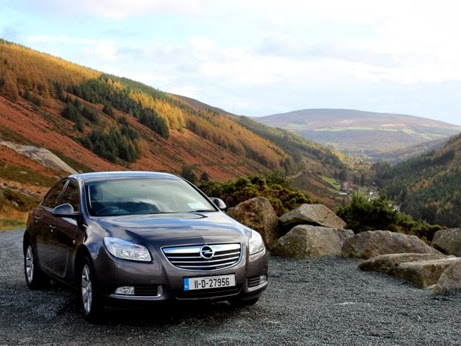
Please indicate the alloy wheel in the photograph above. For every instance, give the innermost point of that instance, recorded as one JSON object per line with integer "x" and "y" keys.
{"x": 29, "y": 263}
{"x": 87, "y": 289}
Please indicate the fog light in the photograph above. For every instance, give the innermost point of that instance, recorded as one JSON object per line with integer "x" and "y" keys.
{"x": 262, "y": 279}
{"x": 126, "y": 290}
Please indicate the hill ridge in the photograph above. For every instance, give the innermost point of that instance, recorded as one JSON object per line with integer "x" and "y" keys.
{"x": 373, "y": 135}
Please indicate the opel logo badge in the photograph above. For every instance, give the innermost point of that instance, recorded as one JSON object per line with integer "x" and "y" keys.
{"x": 207, "y": 252}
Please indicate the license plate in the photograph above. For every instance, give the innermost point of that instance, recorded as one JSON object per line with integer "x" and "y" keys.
{"x": 209, "y": 282}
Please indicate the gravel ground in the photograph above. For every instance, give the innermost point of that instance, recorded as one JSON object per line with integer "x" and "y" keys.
{"x": 325, "y": 301}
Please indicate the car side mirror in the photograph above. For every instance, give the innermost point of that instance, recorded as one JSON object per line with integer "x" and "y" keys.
{"x": 219, "y": 203}
{"x": 65, "y": 210}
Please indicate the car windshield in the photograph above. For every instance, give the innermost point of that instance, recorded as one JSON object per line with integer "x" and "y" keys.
{"x": 144, "y": 196}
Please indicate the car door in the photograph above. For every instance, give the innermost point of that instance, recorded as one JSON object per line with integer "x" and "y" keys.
{"x": 44, "y": 228}
{"x": 64, "y": 231}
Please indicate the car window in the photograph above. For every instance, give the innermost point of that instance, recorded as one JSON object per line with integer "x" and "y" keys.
{"x": 144, "y": 196}
{"x": 51, "y": 198}
{"x": 72, "y": 195}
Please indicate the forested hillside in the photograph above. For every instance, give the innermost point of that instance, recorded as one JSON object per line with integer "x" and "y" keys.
{"x": 427, "y": 187}
{"x": 96, "y": 121}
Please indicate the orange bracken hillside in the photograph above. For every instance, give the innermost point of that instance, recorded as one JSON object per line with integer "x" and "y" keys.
{"x": 95, "y": 121}
{"x": 217, "y": 146}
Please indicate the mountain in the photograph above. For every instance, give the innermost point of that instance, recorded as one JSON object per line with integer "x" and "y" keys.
{"x": 375, "y": 136}
{"x": 94, "y": 121}
{"x": 428, "y": 186}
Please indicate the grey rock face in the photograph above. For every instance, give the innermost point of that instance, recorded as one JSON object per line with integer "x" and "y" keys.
{"x": 387, "y": 263}
{"x": 450, "y": 279}
{"x": 374, "y": 243}
{"x": 258, "y": 214}
{"x": 448, "y": 241}
{"x": 424, "y": 273}
{"x": 305, "y": 241}
{"x": 312, "y": 214}
{"x": 41, "y": 155}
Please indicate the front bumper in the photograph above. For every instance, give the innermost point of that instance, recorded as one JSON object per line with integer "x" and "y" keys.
{"x": 162, "y": 281}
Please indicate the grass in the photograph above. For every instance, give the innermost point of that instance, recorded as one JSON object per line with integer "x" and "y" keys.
{"x": 11, "y": 218}
{"x": 22, "y": 175}
{"x": 7, "y": 223}
{"x": 77, "y": 165}
{"x": 11, "y": 136}
{"x": 332, "y": 182}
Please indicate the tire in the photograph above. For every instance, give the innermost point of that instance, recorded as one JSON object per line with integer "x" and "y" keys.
{"x": 240, "y": 303}
{"x": 90, "y": 298}
{"x": 35, "y": 278}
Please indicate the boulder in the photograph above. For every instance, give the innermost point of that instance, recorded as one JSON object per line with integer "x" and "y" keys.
{"x": 387, "y": 263}
{"x": 448, "y": 241}
{"x": 424, "y": 273}
{"x": 312, "y": 214}
{"x": 374, "y": 243}
{"x": 41, "y": 155}
{"x": 306, "y": 241}
{"x": 450, "y": 279}
{"x": 258, "y": 214}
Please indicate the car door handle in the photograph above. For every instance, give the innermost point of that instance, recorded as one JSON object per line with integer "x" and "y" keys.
{"x": 52, "y": 228}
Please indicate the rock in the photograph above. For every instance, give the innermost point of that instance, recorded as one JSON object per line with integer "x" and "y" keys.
{"x": 258, "y": 214}
{"x": 306, "y": 241}
{"x": 424, "y": 273}
{"x": 448, "y": 241}
{"x": 450, "y": 279}
{"x": 374, "y": 243}
{"x": 41, "y": 155}
{"x": 312, "y": 214}
{"x": 387, "y": 263}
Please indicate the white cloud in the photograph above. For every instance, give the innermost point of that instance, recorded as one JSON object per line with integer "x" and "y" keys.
{"x": 116, "y": 9}
{"x": 122, "y": 8}
{"x": 254, "y": 55}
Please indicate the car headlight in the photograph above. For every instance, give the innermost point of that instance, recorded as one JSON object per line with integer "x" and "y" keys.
{"x": 256, "y": 243}
{"x": 126, "y": 250}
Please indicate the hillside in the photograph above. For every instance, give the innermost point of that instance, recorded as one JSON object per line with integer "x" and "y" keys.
{"x": 428, "y": 186}
{"x": 375, "y": 136}
{"x": 314, "y": 162}
{"x": 94, "y": 121}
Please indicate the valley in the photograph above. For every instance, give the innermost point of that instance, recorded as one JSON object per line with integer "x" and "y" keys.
{"x": 92, "y": 121}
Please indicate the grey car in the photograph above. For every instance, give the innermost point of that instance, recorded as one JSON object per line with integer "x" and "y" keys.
{"x": 141, "y": 236}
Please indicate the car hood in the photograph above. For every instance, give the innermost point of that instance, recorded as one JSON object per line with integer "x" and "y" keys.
{"x": 176, "y": 229}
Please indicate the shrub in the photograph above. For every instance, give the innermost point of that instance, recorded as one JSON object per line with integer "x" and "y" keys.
{"x": 277, "y": 189}
{"x": 362, "y": 215}
{"x": 188, "y": 174}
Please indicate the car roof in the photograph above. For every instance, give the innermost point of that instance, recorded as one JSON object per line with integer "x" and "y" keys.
{"x": 115, "y": 175}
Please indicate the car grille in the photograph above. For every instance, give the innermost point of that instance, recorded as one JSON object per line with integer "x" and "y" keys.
{"x": 204, "y": 257}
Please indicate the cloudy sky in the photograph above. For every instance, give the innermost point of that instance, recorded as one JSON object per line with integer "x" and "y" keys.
{"x": 262, "y": 57}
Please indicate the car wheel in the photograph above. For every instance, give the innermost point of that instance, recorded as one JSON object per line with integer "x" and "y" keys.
{"x": 35, "y": 278}
{"x": 240, "y": 303}
{"x": 91, "y": 300}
